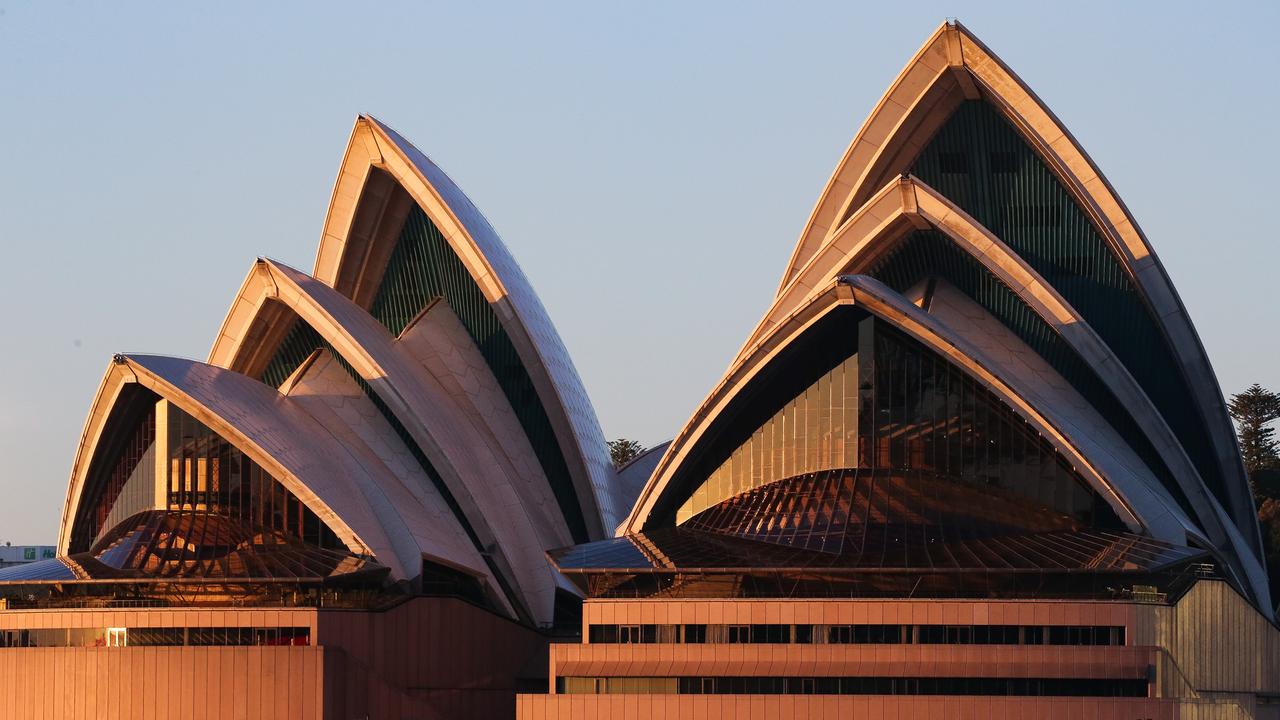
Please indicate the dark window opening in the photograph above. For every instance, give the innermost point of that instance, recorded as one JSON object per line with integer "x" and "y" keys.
{"x": 966, "y": 686}
{"x": 804, "y": 634}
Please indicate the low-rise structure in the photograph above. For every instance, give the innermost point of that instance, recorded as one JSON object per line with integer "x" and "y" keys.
{"x": 11, "y": 555}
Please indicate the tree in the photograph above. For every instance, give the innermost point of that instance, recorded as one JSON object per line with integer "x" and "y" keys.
{"x": 623, "y": 451}
{"x": 1254, "y": 410}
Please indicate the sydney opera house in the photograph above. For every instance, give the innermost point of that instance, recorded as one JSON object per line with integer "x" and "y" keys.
{"x": 972, "y": 462}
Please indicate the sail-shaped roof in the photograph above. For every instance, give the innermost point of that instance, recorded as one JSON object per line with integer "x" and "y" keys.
{"x": 962, "y": 183}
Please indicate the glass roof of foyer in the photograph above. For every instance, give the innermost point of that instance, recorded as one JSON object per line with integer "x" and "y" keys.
{"x": 886, "y": 548}
{"x": 195, "y": 547}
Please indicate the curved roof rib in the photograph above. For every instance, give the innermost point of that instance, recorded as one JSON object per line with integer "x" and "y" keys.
{"x": 907, "y": 203}
{"x": 926, "y": 81}
{"x": 502, "y": 497}
{"x": 277, "y": 435}
{"x": 360, "y": 229}
{"x": 1141, "y": 506}
{"x": 954, "y": 66}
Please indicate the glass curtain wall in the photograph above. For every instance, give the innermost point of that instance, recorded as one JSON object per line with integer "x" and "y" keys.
{"x": 894, "y": 435}
{"x": 929, "y": 415}
{"x": 209, "y": 475}
{"x": 817, "y": 430}
{"x": 200, "y": 474}
{"x": 983, "y": 164}
{"x": 131, "y": 485}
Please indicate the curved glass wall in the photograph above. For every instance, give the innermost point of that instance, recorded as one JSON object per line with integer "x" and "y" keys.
{"x": 979, "y": 161}
{"x": 209, "y": 546}
{"x": 131, "y": 486}
{"x": 881, "y": 439}
{"x": 164, "y": 459}
{"x": 206, "y": 474}
{"x": 121, "y": 479}
{"x": 817, "y": 430}
{"x": 928, "y": 254}
{"x": 892, "y": 509}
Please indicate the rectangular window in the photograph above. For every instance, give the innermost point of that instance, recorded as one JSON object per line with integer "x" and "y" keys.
{"x": 154, "y": 637}
{"x": 770, "y": 634}
{"x": 628, "y": 633}
{"x": 931, "y": 634}
{"x": 801, "y": 634}
{"x": 758, "y": 685}
{"x": 602, "y": 633}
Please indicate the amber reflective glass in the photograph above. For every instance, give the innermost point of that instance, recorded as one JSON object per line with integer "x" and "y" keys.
{"x": 209, "y": 475}
{"x": 129, "y": 483}
{"x": 894, "y": 442}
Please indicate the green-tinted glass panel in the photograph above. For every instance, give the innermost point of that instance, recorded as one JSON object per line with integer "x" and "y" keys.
{"x": 817, "y": 430}
{"x": 423, "y": 266}
{"x": 927, "y": 450}
{"x": 981, "y": 163}
{"x": 927, "y": 254}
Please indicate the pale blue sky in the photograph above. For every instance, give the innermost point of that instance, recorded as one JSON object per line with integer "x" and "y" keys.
{"x": 650, "y": 165}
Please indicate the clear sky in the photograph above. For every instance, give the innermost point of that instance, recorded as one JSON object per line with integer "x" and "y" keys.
{"x": 649, "y": 164}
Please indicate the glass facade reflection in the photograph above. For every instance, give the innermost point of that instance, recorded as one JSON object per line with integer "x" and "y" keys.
{"x": 209, "y": 475}
{"x": 983, "y": 164}
{"x": 822, "y": 511}
{"x": 896, "y": 437}
{"x": 860, "y": 685}
{"x": 857, "y": 634}
{"x": 817, "y": 430}
{"x": 926, "y": 414}
{"x": 154, "y": 636}
{"x": 179, "y": 500}
{"x": 131, "y": 487}
{"x": 929, "y": 256}
{"x": 121, "y": 477}
{"x": 195, "y": 544}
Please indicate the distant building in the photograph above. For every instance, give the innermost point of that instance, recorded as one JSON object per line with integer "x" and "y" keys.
{"x": 11, "y": 555}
